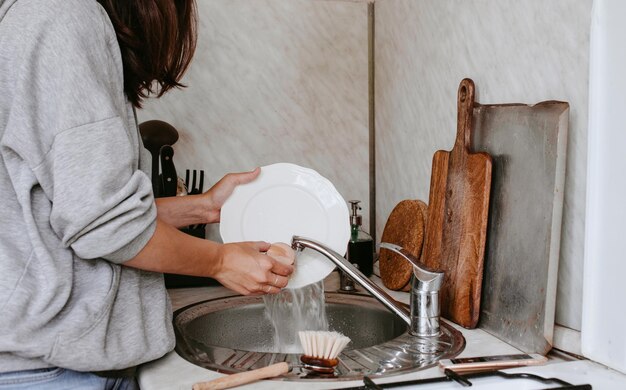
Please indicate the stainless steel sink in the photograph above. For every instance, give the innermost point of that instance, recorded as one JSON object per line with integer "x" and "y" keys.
{"x": 233, "y": 334}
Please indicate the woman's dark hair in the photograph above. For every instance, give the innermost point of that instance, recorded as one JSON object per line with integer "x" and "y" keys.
{"x": 157, "y": 40}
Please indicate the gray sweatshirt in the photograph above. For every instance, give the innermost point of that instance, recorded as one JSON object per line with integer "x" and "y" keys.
{"x": 75, "y": 197}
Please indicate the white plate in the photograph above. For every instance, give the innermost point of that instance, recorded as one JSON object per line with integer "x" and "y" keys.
{"x": 288, "y": 200}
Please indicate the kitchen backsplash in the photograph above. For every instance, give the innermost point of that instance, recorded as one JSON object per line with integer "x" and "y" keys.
{"x": 275, "y": 81}
{"x": 287, "y": 80}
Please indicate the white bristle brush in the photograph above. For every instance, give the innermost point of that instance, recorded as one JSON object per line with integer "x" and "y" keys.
{"x": 321, "y": 349}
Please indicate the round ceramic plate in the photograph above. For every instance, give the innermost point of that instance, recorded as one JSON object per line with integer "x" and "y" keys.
{"x": 288, "y": 200}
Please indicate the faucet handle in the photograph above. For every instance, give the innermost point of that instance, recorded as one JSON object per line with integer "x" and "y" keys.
{"x": 428, "y": 279}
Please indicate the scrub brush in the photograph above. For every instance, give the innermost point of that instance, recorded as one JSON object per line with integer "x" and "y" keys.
{"x": 321, "y": 349}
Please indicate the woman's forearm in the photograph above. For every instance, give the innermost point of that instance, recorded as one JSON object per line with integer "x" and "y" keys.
{"x": 180, "y": 211}
{"x": 243, "y": 267}
{"x": 172, "y": 251}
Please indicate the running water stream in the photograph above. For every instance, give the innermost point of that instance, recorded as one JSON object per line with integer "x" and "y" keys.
{"x": 293, "y": 310}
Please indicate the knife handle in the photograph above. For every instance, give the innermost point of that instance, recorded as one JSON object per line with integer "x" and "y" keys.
{"x": 169, "y": 179}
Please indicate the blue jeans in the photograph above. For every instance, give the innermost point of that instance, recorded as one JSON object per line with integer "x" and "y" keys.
{"x": 60, "y": 378}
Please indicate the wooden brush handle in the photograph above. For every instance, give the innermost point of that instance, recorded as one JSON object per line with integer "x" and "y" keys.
{"x": 242, "y": 378}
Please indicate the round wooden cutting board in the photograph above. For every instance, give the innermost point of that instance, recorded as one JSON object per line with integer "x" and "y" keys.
{"x": 404, "y": 227}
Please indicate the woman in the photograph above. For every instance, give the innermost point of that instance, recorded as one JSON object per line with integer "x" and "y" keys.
{"x": 82, "y": 241}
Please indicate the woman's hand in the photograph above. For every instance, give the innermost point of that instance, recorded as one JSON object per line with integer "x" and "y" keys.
{"x": 244, "y": 268}
{"x": 217, "y": 195}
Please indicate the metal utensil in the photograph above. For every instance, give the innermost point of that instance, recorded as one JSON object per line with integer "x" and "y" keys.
{"x": 191, "y": 185}
{"x": 191, "y": 177}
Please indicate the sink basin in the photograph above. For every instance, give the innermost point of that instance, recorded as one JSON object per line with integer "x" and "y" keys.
{"x": 232, "y": 334}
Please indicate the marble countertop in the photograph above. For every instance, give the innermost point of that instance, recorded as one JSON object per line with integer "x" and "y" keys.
{"x": 173, "y": 372}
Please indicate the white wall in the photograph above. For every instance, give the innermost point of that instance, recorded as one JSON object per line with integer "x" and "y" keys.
{"x": 275, "y": 81}
{"x": 603, "y": 337}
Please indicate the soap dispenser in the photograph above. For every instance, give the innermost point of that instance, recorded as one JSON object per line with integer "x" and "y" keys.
{"x": 361, "y": 245}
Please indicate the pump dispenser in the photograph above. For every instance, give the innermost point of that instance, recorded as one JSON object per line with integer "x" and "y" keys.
{"x": 361, "y": 245}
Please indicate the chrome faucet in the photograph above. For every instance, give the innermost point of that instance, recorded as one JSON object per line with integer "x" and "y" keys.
{"x": 423, "y": 318}
{"x": 346, "y": 284}
{"x": 425, "y": 286}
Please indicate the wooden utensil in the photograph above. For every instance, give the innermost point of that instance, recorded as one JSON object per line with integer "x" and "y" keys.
{"x": 321, "y": 349}
{"x": 242, "y": 378}
{"x": 457, "y": 218}
{"x": 404, "y": 227}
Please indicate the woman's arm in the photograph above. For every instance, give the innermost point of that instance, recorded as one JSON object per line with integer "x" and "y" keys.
{"x": 242, "y": 267}
{"x": 180, "y": 211}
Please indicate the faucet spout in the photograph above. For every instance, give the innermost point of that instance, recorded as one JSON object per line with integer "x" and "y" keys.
{"x": 299, "y": 242}
{"x": 428, "y": 280}
{"x": 425, "y": 286}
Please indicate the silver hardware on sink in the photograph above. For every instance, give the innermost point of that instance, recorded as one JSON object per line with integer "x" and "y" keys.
{"x": 381, "y": 343}
{"x": 346, "y": 284}
{"x": 424, "y": 294}
{"x": 423, "y": 318}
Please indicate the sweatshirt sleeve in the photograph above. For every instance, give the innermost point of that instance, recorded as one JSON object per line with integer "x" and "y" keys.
{"x": 102, "y": 206}
{"x": 102, "y": 203}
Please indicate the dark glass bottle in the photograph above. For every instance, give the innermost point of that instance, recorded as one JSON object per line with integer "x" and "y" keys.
{"x": 361, "y": 245}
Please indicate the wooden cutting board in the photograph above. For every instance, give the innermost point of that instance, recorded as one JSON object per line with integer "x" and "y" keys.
{"x": 457, "y": 218}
